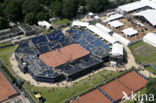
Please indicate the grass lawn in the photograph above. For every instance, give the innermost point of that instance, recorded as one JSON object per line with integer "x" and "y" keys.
{"x": 5, "y": 43}
{"x": 62, "y": 22}
{"x": 144, "y": 53}
{"x": 6, "y": 53}
{"x": 151, "y": 70}
{"x": 76, "y": 89}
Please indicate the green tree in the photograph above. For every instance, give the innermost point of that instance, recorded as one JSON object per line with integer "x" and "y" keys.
{"x": 70, "y": 8}
{"x": 3, "y": 23}
{"x": 45, "y": 2}
{"x": 30, "y": 18}
{"x": 13, "y": 10}
{"x": 42, "y": 16}
{"x": 151, "y": 89}
{"x": 31, "y": 6}
{"x": 96, "y": 5}
{"x": 56, "y": 7}
{"x": 1, "y": 9}
{"x": 82, "y": 2}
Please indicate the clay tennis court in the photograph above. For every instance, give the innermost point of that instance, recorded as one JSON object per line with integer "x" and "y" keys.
{"x": 115, "y": 90}
{"x": 128, "y": 82}
{"x": 133, "y": 81}
{"x": 94, "y": 96}
{"x": 6, "y": 89}
{"x": 63, "y": 55}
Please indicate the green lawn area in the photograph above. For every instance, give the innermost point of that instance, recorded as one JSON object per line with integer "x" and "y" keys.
{"x": 6, "y": 53}
{"x": 76, "y": 89}
{"x": 62, "y": 22}
{"x": 144, "y": 53}
{"x": 151, "y": 70}
{"x": 5, "y": 43}
{"x": 45, "y": 31}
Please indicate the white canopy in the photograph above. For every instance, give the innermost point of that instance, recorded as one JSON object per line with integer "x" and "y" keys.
{"x": 96, "y": 17}
{"x": 121, "y": 39}
{"x": 111, "y": 13}
{"x": 101, "y": 33}
{"x": 81, "y": 24}
{"x": 116, "y": 24}
{"x": 90, "y": 14}
{"x": 132, "y": 6}
{"x": 130, "y": 32}
{"x": 117, "y": 49}
{"x": 150, "y": 38}
{"x": 149, "y": 15}
{"x": 105, "y": 29}
{"x": 44, "y": 24}
{"x": 137, "y": 5}
{"x": 114, "y": 17}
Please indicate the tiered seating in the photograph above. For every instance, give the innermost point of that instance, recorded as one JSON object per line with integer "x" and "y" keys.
{"x": 25, "y": 49}
{"x": 56, "y": 40}
{"x": 98, "y": 43}
{"x": 41, "y": 44}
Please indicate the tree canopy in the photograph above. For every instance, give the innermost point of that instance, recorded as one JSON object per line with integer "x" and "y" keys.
{"x": 20, "y": 10}
{"x": 30, "y": 18}
{"x": 3, "y": 23}
{"x": 151, "y": 89}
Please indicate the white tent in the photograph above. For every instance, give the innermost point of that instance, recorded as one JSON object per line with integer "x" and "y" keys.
{"x": 90, "y": 14}
{"x": 149, "y": 15}
{"x": 114, "y": 17}
{"x": 116, "y": 24}
{"x": 117, "y": 49}
{"x": 130, "y": 32}
{"x": 102, "y": 34}
{"x": 137, "y": 5}
{"x": 150, "y": 38}
{"x": 96, "y": 17}
{"x": 121, "y": 39}
{"x": 131, "y": 6}
{"x": 107, "y": 30}
{"x": 111, "y": 13}
{"x": 44, "y": 24}
{"x": 80, "y": 24}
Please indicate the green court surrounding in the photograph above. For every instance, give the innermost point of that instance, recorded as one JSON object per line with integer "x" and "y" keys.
{"x": 144, "y": 53}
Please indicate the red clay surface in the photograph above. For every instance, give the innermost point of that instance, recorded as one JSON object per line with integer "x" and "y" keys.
{"x": 133, "y": 81}
{"x": 94, "y": 96}
{"x": 63, "y": 55}
{"x": 127, "y": 83}
{"x": 115, "y": 90}
{"x": 6, "y": 90}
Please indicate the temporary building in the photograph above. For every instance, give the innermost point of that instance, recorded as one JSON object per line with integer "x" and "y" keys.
{"x": 150, "y": 38}
{"x": 105, "y": 29}
{"x": 149, "y": 15}
{"x": 101, "y": 33}
{"x": 116, "y": 24}
{"x": 117, "y": 49}
{"x": 80, "y": 24}
{"x": 129, "y": 32}
{"x": 44, "y": 24}
{"x": 121, "y": 39}
{"x": 114, "y": 17}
